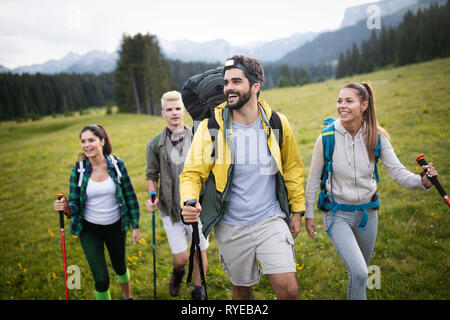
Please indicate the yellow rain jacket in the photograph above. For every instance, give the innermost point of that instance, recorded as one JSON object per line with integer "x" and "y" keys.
{"x": 216, "y": 168}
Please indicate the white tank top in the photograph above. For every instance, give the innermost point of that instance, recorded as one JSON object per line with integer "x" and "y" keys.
{"x": 102, "y": 206}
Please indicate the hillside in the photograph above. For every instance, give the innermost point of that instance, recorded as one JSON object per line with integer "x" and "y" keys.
{"x": 327, "y": 45}
{"x": 412, "y": 248}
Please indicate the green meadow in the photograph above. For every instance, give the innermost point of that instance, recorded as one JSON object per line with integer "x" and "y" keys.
{"x": 412, "y": 248}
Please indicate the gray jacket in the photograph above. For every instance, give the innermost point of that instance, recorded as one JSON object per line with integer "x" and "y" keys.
{"x": 160, "y": 167}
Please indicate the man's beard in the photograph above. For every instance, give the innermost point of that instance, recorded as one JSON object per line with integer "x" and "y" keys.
{"x": 241, "y": 101}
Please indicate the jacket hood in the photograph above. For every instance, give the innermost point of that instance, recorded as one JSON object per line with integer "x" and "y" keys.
{"x": 359, "y": 138}
{"x": 340, "y": 128}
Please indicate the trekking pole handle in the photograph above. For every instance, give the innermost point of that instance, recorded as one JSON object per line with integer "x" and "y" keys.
{"x": 61, "y": 213}
{"x": 190, "y": 202}
{"x": 153, "y": 195}
{"x": 195, "y": 232}
{"x": 434, "y": 180}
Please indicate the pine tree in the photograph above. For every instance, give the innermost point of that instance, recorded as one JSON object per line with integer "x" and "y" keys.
{"x": 384, "y": 46}
{"x": 283, "y": 82}
{"x": 300, "y": 76}
{"x": 347, "y": 65}
{"x": 285, "y": 76}
{"x": 340, "y": 69}
{"x": 141, "y": 75}
{"x": 354, "y": 59}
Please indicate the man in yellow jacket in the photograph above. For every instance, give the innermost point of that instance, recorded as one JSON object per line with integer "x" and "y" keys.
{"x": 254, "y": 197}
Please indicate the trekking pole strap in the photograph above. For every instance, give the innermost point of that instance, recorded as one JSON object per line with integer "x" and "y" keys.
{"x": 194, "y": 244}
{"x": 202, "y": 272}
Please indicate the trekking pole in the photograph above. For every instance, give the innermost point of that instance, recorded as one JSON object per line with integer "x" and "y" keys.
{"x": 153, "y": 197}
{"x": 434, "y": 180}
{"x": 63, "y": 241}
{"x": 196, "y": 246}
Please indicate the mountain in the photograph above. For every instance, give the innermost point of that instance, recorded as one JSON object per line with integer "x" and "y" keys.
{"x": 4, "y": 69}
{"x": 275, "y": 50}
{"x": 187, "y": 50}
{"x": 352, "y": 15}
{"x": 184, "y": 50}
{"x": 95, "y": 62}
{"x": 51, "y": 66}
{"x": 92, "y": 62}
{"x": 327, "y": 46}
{"x": 219, "y": 50}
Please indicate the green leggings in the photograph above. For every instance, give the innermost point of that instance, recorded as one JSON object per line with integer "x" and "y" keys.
{"x": 93, "y": 239}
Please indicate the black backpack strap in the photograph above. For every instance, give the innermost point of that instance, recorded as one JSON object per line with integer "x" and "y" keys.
{"x": 275, "y": 123}
{"x": 213, "y": 128}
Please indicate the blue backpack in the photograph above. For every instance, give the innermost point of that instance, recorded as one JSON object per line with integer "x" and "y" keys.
{"x": 326, "y": 201}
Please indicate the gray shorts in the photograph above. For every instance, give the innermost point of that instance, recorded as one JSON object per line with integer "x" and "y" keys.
{"x": 241, "y": 247}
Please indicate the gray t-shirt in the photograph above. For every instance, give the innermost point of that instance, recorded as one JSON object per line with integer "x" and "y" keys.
{"x": 253, "y": 188}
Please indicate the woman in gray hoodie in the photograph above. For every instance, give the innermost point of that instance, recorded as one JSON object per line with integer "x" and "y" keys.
{"x": 352, "y": 187}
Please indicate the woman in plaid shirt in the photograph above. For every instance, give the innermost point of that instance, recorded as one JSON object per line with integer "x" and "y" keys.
{"x": 102, "y": 205}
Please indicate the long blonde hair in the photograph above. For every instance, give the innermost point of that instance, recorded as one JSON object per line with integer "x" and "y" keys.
{"x": 365, "y": 93}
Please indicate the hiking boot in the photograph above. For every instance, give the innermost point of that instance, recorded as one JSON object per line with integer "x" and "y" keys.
{"x": 197, "y": 293}
{"x": 175, "y": 282}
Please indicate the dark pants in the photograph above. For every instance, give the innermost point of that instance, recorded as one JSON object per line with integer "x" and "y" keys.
{"x": 93, "y": 239}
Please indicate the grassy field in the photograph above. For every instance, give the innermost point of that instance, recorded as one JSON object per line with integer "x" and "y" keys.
{"x": 412, "y": 248}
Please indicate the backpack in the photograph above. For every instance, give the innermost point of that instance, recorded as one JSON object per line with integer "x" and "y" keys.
{"x": 81, "y": 165}
{"x": 201, "y": 93}
{"x": 325, "y": 201}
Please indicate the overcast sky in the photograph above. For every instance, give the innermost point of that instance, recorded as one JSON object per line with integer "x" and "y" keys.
{"x": 34, "y": 31}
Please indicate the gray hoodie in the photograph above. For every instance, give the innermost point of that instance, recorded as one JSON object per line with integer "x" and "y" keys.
{"x": 353, "y": 181}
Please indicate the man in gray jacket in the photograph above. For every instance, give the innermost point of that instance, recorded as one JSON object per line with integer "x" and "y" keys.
{"x": 166, "y": 153}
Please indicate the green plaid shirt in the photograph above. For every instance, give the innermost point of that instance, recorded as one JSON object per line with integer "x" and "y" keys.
{"x": 129, "y": 206}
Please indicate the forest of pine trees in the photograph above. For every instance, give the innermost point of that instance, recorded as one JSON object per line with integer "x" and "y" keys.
{"x": 25, "y": 96}
{"x": 28, "y": 96}
{"x": 420, "y": 37}
{"x": 292, "y": 76}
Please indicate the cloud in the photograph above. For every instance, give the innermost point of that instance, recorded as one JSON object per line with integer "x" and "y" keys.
{"x": 35, "y": 31}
